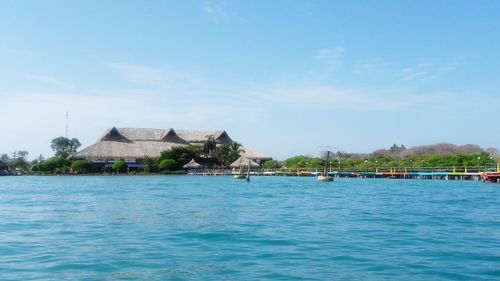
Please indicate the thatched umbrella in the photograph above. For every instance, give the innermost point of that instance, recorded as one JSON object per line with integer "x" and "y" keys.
{"x": 192, "y": 165}
{"x": 244, "y": 162}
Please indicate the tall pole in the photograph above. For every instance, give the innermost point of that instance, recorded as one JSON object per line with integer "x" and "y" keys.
{"x": 478, "y": 158}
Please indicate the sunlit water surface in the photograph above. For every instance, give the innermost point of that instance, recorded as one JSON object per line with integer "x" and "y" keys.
{"x": 273, "y": 228}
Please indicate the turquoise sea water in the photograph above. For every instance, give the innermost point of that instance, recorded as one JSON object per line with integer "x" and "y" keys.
{"x": 273, "y": 228}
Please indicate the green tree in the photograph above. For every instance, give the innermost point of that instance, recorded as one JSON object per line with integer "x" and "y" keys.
{"x": 19, "y": 161}
{"x": 64, "y": 146}
{"x": 304, "y": 162}
{"x": 227, "y": 153}
{"x": 237, "y": 148}
{"x": 209, "y": 146}
{"x": 150, "y": 165}
{"x": 169, "y": 165}
{"x": 180, "y": 154}
{"x": 119, "y": 166}
{"x": 5, "y": 157}
{"x": 53, "y": 165}
{"x": 81, "y": 166}
{"x": 271, "y": 164}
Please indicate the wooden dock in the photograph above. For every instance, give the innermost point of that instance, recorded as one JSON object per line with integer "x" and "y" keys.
{"x": 489, "y": 174}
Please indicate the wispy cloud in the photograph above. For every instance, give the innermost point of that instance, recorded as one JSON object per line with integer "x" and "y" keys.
{"x": 330, "y": 58}
{"x": 429, "y": 69}
{"x": 371, "y": 66}
{"x": 51, "y": 81}
{"x": 426, "y": 69}
{"x": 328, "y": 97}
{"x": 160, "y": 78}
{"x": 215, "y": 10}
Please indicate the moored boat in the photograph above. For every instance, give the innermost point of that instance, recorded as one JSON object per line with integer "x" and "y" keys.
{"x": 324, "y": 176}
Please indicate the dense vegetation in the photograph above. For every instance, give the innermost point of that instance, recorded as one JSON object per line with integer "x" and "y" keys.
{"x": 439, "y": 155}
{"x": 172, "y": 161}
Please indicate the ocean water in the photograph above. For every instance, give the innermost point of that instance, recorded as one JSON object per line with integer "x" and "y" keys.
{"x": 273, "y": 228}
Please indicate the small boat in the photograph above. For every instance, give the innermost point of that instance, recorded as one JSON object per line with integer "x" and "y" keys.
{"x": 324, "y": 176}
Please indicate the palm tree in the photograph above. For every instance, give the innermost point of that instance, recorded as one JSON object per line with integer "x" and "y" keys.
{"x": 209, "y": 146}
{"x": 236, "y": 148}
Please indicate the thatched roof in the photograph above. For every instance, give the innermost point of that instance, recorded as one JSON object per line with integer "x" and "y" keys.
{"x": 201, "y": 136}
{"x": 255, "y": 155}
{"x": 192, "y": 165}
{"x": 244, "y": 162}
{"x": 138, "y": 143}
{"x": 123, "y": 150}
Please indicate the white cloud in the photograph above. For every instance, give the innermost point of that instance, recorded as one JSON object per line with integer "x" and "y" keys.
{"x": 371, "y": 66}
{"x": 422, "y": 69}
{"x": 327, "y": 97}
{"x": 215, "y": 10}
{"x": 149, "y": 76}
{"x": 51, "y": 81}
{"x": 331, "y": 58}
{"x": 429, "y": 69}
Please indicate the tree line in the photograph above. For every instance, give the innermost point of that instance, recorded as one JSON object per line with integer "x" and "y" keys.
{"x": 222, "y": 155}
{"x": 398, "y": 156}
{"x": 169, "y": 161}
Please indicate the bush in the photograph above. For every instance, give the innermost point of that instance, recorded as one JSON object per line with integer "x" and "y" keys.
{"x": 271, "y": 164}
{"x": 81, "y": 166}
{"x": 180, "y": 154}
{"x": 119, "y": 166}
{"x": 55, "y": 165}
{"x": 169, "y": 165}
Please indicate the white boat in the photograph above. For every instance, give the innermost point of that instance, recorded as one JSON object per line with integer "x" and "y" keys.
{"x": 324, "y": 176}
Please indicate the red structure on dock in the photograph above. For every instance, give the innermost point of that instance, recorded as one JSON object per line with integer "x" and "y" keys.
{"x": 491, "y": 177}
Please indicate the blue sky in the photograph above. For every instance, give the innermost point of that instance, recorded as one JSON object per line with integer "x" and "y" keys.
{"x": 283, "y": 77}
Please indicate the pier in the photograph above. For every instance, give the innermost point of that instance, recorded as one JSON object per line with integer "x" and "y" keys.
{"x": 484, "y": 173}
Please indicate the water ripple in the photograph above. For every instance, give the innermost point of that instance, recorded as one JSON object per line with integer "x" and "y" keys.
{"x": 217, "y": 228}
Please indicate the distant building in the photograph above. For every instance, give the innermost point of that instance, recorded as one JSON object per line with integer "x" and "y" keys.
{"x": 135, "y": 144}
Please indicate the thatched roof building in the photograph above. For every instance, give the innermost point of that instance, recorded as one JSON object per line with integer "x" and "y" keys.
{"x": 132, "y": 144}
{"x": 255, "y": 155}
{"x": 244, "y": 162}
{"x": 192, "y": 165}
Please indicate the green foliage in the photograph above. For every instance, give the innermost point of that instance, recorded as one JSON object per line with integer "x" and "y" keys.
{"x": 168, "y": 165}
{"x": 227, "y": 153}
{"x": 18, "y": 160}
{"x": 119, "y": 166}
{"x": 209, "y": 146}
{"x": 81, "y": 166}
{"x": 150, "y": 165}
{"x": 416, "y": 162}
{"x": 180, "y": 155}
{"x": 304, "y": 162}
{"x": 54, "y": 165}
{"x": 271, "y": 164}
{"x": 64, "y": 146}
